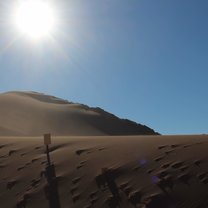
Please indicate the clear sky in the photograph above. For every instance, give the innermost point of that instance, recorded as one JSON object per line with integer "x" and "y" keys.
{"x": 145, "y": 60}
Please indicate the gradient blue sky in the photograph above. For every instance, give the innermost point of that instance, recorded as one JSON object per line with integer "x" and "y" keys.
{"x": 146, "y": 60}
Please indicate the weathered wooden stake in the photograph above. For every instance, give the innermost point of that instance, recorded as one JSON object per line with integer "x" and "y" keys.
{"x": 47, "y": 141}
{"x": 51, "y": 190}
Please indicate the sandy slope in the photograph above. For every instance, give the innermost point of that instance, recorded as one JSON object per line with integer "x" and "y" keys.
{"x": 144, "y": 171}
{"x": 33, "y": 114}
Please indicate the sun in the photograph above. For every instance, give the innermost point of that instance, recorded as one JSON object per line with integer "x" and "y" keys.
{"x": 35, "y": 18}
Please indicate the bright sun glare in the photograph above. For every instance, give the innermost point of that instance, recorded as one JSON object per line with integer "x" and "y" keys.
{"x": 35, "y": 18}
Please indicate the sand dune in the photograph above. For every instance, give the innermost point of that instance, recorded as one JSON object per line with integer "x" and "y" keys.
{"x": 107, "y": 171}
{"x": 99, "y": 171}
{"x": 33, "y": 114}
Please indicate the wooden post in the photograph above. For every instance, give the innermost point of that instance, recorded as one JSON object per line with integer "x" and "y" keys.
{"x": 47, "y": 141}
{"x": 51, "y": 189}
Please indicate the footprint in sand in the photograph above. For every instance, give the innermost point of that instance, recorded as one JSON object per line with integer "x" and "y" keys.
{"x": 93, "y": 194}
{"x": 36, "y": 148}
{"x": 2, "y": 146}
{"x": 162, "y": 146}
{"x": 150, "y": 171}
{"x": 81, "y": 164}
{"x": 135, "y": 197}
{"x": 76, "y": 180}
{"x": 102, "y": 148}
{"x": 89, "y": 152}
{"x": 34, "y": 160}
{"x": 11, "y": 184}
{"x": 162, "y": 174}
{"x": 123, "y": 185}
{"x": 187, "y": 145}
{"x": 183, "y": 168}
{"x": 43, "y": 162}
{"x": 202, "y": 176}
{"x": 165, "y": 183}
{"x": 81, "y": 151}
{"x": 177, "y": 164}
{"x": 127, "y": 190}
{"x": 35, "y": 182}
{"x": 29, "y": 188}
{"x": 76, "y": 197}
{"x": 20, "y": 168}
{"x": 136, "y": 168}
{"x": 159, "y": 158}
{"x": 29, "y": 163}
{"x": 23, "y": 154}
{"x": 93, "y": 197}
{"x": 11, "y": 152}
{"x": 166, "y": 165}
{"x": 198, "y": 162}
{"x": 169, "y": 151}
{"x": 175, "y": 146}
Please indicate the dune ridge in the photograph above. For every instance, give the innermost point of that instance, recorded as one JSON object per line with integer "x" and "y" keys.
{"x": 33, "y": 114}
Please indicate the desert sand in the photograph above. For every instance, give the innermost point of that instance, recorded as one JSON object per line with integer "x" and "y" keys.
{"x": 100, "y": 160}
{"x": 107, "y": 171}
{"x": 33, "y": 114}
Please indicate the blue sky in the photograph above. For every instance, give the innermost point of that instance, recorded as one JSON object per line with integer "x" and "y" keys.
{"x": 144, "y": 60}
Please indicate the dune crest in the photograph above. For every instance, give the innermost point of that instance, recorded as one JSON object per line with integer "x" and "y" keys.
{"x": 33, "y": 114}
